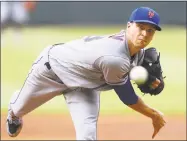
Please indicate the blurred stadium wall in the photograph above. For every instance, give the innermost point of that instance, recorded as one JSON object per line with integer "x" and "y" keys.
{"x": 103, "y": 12}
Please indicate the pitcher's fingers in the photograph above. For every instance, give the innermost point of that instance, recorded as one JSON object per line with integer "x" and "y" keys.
{"x": 156, "y": 130}
{"x": 154, "y": 134}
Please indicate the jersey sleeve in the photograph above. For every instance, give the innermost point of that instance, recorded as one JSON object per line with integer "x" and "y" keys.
{"x": 126, "y": 93}
{"x": 115, "y": 69}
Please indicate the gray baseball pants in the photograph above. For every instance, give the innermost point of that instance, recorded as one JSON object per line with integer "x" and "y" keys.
{"x": 42, "y": 84}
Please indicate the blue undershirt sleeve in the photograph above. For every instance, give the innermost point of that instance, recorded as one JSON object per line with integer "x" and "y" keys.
{"x": 126, "y": 93}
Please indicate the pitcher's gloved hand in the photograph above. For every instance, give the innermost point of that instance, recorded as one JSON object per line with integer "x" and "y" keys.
{"x": 155, "y": 83}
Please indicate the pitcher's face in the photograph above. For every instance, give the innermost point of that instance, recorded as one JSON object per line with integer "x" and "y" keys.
{"x": 141, "y": 34}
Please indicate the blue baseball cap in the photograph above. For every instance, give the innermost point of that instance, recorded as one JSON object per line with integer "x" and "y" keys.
{"x": 146, "y": 15}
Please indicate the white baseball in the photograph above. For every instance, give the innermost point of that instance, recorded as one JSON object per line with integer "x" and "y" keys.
{"x": 138, "y": 74}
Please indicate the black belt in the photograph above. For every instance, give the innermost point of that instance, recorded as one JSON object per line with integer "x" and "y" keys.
{"x": 48, "y": 65}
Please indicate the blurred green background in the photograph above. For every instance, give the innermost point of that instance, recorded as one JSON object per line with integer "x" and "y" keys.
{"x": 18, "y": 56}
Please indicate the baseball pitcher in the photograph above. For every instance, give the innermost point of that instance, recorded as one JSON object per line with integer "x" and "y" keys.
{"x": 80, "y": 69}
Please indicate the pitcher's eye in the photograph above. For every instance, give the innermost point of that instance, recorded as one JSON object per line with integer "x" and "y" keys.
{"x": 150, "y": 31}
{"x": 141, "y": 27}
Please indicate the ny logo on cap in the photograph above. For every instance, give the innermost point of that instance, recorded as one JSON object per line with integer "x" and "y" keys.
{"x": 151, "y": 14}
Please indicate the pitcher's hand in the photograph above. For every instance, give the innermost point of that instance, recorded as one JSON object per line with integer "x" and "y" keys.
{"x": 158, "y": 122}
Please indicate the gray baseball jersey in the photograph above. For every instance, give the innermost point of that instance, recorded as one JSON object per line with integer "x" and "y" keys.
{"x": 93, "y": 61}
{"x": 79, "y": 69}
